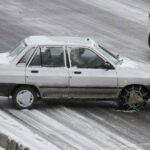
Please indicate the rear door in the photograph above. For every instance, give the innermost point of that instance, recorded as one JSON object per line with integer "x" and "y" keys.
{"x": 47, "y": 70}
{"x": 89, "y": 77}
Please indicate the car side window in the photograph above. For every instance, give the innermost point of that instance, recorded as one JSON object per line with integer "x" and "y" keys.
{"x": 36, "y": 61}
{"x": 27, "y": 56}
{"x": 49, "y": 57}
{"x": 85, "y": 58}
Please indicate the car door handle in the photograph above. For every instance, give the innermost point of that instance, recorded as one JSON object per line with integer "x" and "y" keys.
{"x": 34, "y": 71}
{"x": 77, "y": 72}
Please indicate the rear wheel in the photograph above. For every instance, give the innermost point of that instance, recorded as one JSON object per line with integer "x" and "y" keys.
{"x": 24, "y": 98}
{"x": 133, "y": 98}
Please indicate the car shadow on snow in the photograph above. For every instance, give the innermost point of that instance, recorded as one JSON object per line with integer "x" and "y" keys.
{"x": 75, "y": 104}
{"x": 81, "y": 104}
{"x": 88, "y": 105}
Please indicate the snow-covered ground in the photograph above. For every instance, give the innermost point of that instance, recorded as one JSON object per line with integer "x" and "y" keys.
{"x": 121, "y": 26}
{"x": 22, "y": 134}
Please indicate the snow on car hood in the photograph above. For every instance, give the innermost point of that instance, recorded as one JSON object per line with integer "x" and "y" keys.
{"x": 128, "y": 63}
{"x": 131, "y": 64}
{"x": 4, "y": 59}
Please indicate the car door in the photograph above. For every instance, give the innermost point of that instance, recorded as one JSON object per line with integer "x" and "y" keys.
{"x": 47, "y": 70}
{"x": 89, "y": 77}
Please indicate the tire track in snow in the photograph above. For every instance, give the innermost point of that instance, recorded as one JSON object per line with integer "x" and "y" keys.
{"x": 22, "y": 134}
{"x": 86, "y": 123}
{"x": 62, "y": 122}
{"x": 50, "y": 126}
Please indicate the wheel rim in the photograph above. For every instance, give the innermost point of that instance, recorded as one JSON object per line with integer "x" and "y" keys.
{"x": 135, "y": 98}
{"x": 24, "y": 98}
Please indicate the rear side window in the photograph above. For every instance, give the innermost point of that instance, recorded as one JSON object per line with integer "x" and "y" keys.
{"x": 13, "y": 54}
{"x": 36, "y": 61}
{"x": 49, "y": 57}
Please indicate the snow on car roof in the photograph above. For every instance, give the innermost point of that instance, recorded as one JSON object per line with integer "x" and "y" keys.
{"x": 54, "y": 40}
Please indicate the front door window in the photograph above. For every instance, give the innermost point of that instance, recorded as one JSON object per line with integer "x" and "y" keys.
{"x": 85, "y": 58}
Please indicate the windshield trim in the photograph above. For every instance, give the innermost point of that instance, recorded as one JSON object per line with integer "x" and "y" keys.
{"x": 101, "y": 49}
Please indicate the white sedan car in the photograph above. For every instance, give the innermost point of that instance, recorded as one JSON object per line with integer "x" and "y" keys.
{"x": 43, "y": 67}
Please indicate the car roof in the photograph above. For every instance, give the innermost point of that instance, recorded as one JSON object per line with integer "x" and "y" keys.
{"x": 55, "y": 40}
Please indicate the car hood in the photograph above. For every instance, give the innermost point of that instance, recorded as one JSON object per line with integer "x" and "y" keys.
{"x": 133, "y": 72}
{"x": 132, "y": 66}
{"x": 4, "y": 58}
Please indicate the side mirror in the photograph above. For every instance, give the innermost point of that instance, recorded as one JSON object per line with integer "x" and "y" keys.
{"x": 108, "y": 65}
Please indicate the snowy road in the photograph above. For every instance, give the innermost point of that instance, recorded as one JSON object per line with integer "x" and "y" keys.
{"x": 119, "y": 25}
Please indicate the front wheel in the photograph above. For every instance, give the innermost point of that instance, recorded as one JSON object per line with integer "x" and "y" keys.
{"x": 24, "y": 98}
{"x": 133, "y": 98}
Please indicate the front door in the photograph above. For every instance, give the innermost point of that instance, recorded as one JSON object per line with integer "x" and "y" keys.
{"x": 89, "y": 77}
{"x": 47, "y": 70}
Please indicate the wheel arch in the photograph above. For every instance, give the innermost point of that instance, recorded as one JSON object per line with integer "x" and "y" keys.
{"x": 130, "y": 85}
{"x": 25, "y": 85}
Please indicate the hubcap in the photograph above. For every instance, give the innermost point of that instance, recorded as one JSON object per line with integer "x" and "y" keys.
{"x": 24, "y": 98}
{"x": 134, "y": 99}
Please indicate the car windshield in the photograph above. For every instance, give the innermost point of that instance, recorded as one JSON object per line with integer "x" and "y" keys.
{"x": 15, "y": 52}
{"x": 112, "y": 57}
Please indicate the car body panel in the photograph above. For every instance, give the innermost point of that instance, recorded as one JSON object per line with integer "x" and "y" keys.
{"x": 131, "y": 73}
{"x": 98, "y": 83}
{"x": 12, "y": 74}
{"x": 48, "y": 78}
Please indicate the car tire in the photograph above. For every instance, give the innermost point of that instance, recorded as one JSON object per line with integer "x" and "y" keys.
{"x": 133, "y": 98}
{"x": 24, "y": 98}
